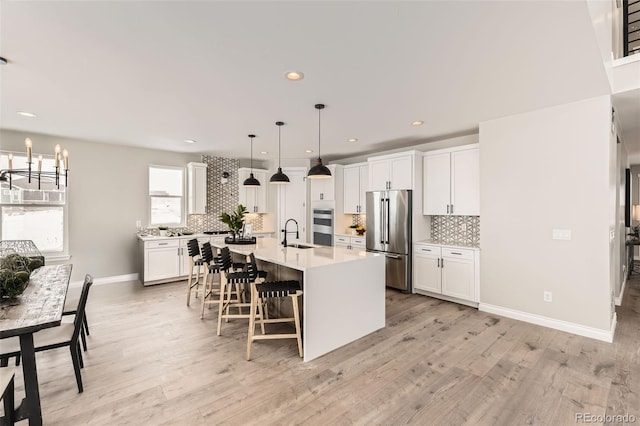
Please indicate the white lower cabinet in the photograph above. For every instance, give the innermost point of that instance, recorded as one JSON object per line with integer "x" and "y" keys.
{"x": 448, "y": 271}
{"x": 161, "y": 260}
{"x": 357, "y": 243}
{"x": 166, "y": 260}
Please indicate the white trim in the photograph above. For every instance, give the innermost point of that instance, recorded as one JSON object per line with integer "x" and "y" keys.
{"x": 618, "y": 299}
{"x": 569, "y": 327}
{"x": 109, "y": 280}
{"x": 452, "y": 149}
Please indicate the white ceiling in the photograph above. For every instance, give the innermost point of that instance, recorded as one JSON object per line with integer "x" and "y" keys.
{"x": 152, "y": 74}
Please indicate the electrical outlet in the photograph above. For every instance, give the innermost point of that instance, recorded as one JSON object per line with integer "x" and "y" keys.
{"x": 561, "y": 234}
{"x": 547, "y": 296}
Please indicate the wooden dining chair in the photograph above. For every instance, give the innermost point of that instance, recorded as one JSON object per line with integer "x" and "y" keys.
{"x": 7, "y": 376}
{"x": 57, "y": 337}
{"x": 71, "y": 308}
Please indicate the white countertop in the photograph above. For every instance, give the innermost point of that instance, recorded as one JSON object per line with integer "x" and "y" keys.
{"x": 452, "y": 245}
{"x": 270, "y": 250}
{"x": 159, "y": 238}
{"x": 342, "y": 234}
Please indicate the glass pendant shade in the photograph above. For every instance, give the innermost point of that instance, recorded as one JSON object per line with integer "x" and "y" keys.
{"x": 279, "y": 178}
{"x": 251, "y": 180}
{"x": 319, "y": 171}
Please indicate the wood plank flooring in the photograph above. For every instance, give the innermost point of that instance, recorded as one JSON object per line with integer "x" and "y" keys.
{"x": 152, "y": 361}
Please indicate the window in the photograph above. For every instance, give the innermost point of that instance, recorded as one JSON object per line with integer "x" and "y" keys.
{"x": 166, "y": 196}
{"x": 29, "y": 213}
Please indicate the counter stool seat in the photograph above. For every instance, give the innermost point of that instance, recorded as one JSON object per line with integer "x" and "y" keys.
{"x": 265, "y": 290}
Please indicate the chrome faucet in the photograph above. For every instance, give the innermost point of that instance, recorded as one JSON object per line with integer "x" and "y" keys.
{"x": 284, "y": 231}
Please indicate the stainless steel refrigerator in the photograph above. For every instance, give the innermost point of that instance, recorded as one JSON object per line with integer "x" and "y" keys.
{"x": 389, "y": 232}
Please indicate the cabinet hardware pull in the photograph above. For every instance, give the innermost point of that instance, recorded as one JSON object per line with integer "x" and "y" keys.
{"x": 451, "y": 208}
{"x": 441, "y": 263}
{"x": 459, "y": 254}
{"x": 162, "y": 244}
{"x": 426, "y": 249}
{"x": 447, "y": 208}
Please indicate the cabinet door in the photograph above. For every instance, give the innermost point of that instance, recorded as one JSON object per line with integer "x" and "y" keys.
{"x": 401, "y": 172}
{"x": 245, "y": 193}
{"x": 351, "y": 190}
{"x": 184, "y": 258}
{"x": 260, "y": 202}
{"x": 364, "y": 187}
{"x": 378, "y": 175}
{"x": 427, "y": 274}
{"x": 436, "y": 184}
{"x": 465, "y": 182}
{"x": 161, "y": 263}
{"x": 458, "y": 278}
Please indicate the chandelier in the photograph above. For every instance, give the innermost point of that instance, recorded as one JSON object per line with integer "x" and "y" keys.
{"x": 61, "y": 168}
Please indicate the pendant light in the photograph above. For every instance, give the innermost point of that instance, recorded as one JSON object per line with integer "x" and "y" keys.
{"x": 319, "y": 171}
{"x": 251, "y": 181}
{"x": 279, "y": 177}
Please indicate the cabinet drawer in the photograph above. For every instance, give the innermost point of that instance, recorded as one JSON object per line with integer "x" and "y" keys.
{"x": 426, "y": 250}
{"x": 161, "y": 244}
{"x": 457, "y": 253}
{"x": 358, "y": 242}
{"x": 342, "y": 240}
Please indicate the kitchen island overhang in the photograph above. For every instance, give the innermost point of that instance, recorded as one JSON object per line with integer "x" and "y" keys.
{"x": 344, "y": 290}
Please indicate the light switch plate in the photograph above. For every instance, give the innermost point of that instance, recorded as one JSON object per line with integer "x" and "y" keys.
{"x": 561, "y": 234}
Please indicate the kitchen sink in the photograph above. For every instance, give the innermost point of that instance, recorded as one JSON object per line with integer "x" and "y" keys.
{"x": 299, "y": 246}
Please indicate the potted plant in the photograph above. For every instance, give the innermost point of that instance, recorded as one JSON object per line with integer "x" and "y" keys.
{"x": 235, "y": 220}
{"x": 163, "y": 230}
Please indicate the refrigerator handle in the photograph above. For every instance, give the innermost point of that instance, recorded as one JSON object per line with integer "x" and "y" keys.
{"x": 388, "y": 222}
{"x": 382, "y": 220}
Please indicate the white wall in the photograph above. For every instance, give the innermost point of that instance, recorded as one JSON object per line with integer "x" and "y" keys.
{"x": 602, "y": 14}
{"x": 542, "y": 170}
{"x": 623, "y": 163}
{"x": 108, "y": 192}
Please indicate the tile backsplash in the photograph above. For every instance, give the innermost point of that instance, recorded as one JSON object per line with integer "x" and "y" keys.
{"x": 463, "y": 230}
{"x": 221, "y": 197}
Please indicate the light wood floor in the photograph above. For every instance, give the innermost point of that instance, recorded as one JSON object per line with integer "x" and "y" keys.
{"x": 152, "y": 361}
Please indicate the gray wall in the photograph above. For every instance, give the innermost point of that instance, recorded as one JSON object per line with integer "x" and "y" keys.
{"x": 108, "y": 190}
{"x": 542, "y": 170}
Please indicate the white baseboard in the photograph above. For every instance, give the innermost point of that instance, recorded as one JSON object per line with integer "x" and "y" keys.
{"x": 108, "y": 280}
{"x": 618, "y": 299}
{"x": 581, "y": 330}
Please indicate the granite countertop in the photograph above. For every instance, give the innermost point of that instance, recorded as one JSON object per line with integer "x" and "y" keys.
{"x": 443, "y": 244}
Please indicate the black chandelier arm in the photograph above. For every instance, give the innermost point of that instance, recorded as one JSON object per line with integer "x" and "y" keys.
{"x": 7, "y": 175}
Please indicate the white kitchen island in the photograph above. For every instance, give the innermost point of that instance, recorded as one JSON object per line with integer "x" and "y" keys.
{"x": 344, "y": 290}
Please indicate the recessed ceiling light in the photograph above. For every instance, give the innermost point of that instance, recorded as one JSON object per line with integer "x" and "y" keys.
{"x": 417, "y": 123}
{"x": 309, "y": 151}
{"x": 189, "y": 141}
{"x": 353, "y": 140}
{"x": 26, "y": 114}
{"x": 294, "y": 75}
{"x": 3, "y": 61}
{"x": 264, "y": 152}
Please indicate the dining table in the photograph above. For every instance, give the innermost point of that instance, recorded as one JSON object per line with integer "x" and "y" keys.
{"x": 40, "y": 306}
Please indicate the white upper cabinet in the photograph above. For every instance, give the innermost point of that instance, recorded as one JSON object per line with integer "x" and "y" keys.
{"x": 323, "y": 189}
{"x": 197, "y": 188}
{"x": 452, "y": 182}
{"x": 391, "y": 172}
{"x": 254, "y": 198}
{"x": 356, "y": 183}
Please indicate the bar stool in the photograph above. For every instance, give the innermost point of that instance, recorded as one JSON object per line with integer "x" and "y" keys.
{"x": 195, "y": 262}
{"x": 230, "y": 279}
{"x": 7, "y": 388}
{"x": 262, "y": 291}
{"x": 211, "y": 268}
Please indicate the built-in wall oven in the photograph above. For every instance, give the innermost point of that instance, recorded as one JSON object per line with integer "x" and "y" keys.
{"x": 323, "y": 227}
